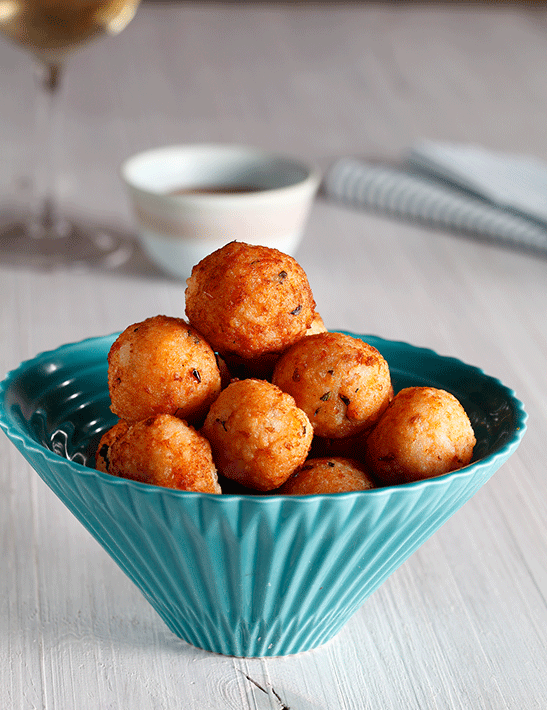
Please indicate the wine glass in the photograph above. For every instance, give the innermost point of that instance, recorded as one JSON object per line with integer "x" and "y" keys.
{"x": 50, "y": 30}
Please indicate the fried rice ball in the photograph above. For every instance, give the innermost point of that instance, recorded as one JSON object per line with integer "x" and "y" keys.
{"x": 327, "y": 475}
{"x": 249, "y": 300}
{"x": 162, "y": 366}
{"x": 257, "y": 433}
{"x": 102, "y": 457}
{"x": 164, "y": 450}
{"x": 342, "y": 383}
{"x": 425, "y": 432}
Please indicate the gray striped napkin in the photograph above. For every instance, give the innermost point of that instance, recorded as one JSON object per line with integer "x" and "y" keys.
{"x": 457, "y": 188}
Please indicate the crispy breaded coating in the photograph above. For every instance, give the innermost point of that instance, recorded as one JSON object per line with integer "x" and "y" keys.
{"x": 162, "y": 366}
{"x": 102, "y": 457}
{"x": 249, "y": 300}
{"x": 425, "y": 432}
{"x": 164, "y": 450}
{"x": 258, "y": 434}
{"x": 342, "y": 383}
{"x": 327, "y": 475}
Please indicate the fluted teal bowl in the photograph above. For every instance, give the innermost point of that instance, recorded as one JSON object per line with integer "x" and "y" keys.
{"x": 247, "y": 575}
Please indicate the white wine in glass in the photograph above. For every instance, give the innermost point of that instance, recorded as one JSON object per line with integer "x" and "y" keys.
{"x": 50, "y": 30}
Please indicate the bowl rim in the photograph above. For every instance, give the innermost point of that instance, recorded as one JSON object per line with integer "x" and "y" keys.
{"x": 15, "y": 433}
{"x": 310, "y": 181}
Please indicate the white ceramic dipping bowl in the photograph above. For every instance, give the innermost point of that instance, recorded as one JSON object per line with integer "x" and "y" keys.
{"x": 223, "y": 193}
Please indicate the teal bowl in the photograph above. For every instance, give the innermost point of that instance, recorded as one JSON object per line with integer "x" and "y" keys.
{"x": 247, "y": 575}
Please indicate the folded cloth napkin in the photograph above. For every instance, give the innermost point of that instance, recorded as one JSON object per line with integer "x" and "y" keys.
{"x": 459, "y": 188}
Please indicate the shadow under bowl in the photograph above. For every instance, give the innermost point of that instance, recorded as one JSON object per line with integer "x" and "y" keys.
{"x": 247, "y": 575}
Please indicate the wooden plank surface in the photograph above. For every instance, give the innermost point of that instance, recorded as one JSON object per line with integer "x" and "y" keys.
{"x": 462, "y": 624}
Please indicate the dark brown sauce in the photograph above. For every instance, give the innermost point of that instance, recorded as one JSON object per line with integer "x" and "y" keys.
{"x": 216, "y": 190}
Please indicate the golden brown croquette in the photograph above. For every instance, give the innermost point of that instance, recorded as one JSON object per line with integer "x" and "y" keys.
{"x": 102, "y": 457}
{"x": 342, "y": 383}
{"x": 258, "y": 434}
{"x": 162, "y": 366}
{"x": 249, "y": 300}
{"x": 327, "y": 475}
{"x": 163, "y": 450}
{"x": 424, "y": 432}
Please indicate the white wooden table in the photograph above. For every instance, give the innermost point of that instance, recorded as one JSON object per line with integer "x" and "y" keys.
{"x": 463, "y": 623}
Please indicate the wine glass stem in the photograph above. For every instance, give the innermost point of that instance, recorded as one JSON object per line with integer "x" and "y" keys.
{"x": 45, "y": 219}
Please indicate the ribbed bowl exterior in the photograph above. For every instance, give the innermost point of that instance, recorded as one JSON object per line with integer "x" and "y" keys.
{"x": 246, "y": 575}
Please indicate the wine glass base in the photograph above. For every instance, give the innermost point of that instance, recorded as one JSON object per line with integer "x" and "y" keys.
{"x": 80, "y": 248}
